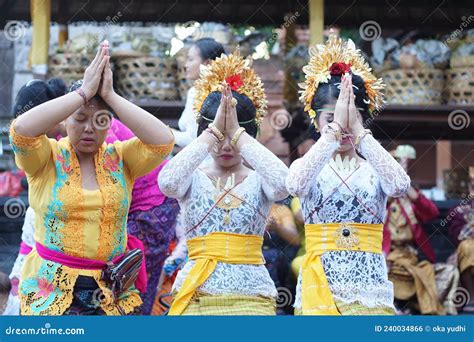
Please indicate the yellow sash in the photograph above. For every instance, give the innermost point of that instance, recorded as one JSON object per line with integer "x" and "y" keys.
{"x": 207, "y": 251}
{"x": 322, "y": 237}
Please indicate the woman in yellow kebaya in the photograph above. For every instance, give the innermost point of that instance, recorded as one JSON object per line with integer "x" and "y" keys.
{"x": 80, "y": 189}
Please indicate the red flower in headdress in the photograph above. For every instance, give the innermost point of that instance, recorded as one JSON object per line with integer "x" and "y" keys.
{"x": 234, "y": 82}
{"x": 339, "y": 68}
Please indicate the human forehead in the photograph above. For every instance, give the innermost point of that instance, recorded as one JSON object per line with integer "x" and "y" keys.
{"x": 91, "y": 108}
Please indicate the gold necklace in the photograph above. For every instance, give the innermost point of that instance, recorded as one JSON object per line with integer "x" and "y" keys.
{"x": 229, "y": 201}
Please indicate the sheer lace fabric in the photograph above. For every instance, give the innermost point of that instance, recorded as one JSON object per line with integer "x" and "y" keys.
{"x": 196, "y": 194}
{"x": 352, "y": 276}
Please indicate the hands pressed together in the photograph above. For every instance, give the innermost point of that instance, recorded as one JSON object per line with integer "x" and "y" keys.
{"x": 346, "y": 113}
{"x": 98, "y": 78}
{"x": 226, "y": 119}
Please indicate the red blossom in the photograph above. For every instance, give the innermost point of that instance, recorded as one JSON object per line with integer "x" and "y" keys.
{"x": 339, "y": 68}
{"x": 234, "y": 82}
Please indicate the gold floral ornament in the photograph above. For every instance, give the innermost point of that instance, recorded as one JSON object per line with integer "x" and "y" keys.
{"x": 229, "y": 201}
{"x": 343, "y": 56}
{"x": 346, "y": 236}
{"x": 238, "y": 73}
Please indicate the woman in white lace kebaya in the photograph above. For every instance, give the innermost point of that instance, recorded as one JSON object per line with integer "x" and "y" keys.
{"x": 225, "y": 203}
{"x": 343, "y": 182}
{"x": 202, "y": 52}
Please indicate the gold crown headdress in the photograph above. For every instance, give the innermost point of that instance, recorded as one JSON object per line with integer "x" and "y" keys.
{"x": 240, "y": 76}
{"x": 338, "y": 57}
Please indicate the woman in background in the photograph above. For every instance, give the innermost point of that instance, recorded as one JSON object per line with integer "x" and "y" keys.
{"x": 5, "y": 298}
{"x": 461, "y": 232}
{"x": 32, "y": 94}
{"x": 202, "y": 52}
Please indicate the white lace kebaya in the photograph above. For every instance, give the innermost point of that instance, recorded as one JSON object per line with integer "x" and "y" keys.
{"x": 196, "y": 193}
{"x": 352, "y": 276}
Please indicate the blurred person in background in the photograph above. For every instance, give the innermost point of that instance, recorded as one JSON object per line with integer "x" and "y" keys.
{"x": 461, "y": 231}
{"x": 202, "y": 52}
{"x": 32, "y": 94}
{"x": 5, "y": 298}
{"x": 421, "y": 286}
{"x": 280, "y": 245}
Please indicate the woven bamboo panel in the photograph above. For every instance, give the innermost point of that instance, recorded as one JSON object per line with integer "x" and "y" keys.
{"x": 462, "y": 61}
{"x": 460, "y": 86}
{"x": 414, "y": 86}
{"x": 144, "y": 78}
{"x": 69, "y": 67}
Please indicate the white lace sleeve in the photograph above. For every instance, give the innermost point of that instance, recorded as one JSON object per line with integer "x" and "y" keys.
{"x": 269, "y": 167}
{"x": 393, "y": 178}
{"x": 176, "y": 176}
{"x": 303, "y": 171}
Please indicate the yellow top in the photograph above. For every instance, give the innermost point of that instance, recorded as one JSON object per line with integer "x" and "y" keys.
{"x": 282, "y": 215}
{"x": 208, "y": 251}
{"x": 74, "y": 221}
{"x": 322, "y": 237}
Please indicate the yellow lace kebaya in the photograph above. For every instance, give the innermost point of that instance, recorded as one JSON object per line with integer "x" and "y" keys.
{"x": 78, "y": 222}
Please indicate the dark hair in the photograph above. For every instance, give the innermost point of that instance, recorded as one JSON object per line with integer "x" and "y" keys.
{"x": 36, "y": 92}
{"x": 209, "y": 48}
{"x": 328, "y": 92}
{"x": 5, "y": 284}
{"x": 246, "y": 112}
{"x": 300, "y": 129}
{"x": 77, "y": 84}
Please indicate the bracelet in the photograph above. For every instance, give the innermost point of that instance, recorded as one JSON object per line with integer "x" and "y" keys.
{"x": 361, "y": 136}
{"x": 236, "y": 136}
{"x": 220, "y": 136}
{"x": 83, "y": 94}
{"x": 209, "y": 131}
{"x": 336, "y": 131}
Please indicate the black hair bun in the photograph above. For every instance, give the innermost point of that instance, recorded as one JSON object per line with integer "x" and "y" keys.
{"x": 57, "y": 87}
{"x": 329, "y": 92}
{"x": 246, "y": 112}
{"x": 36, "y": 92}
